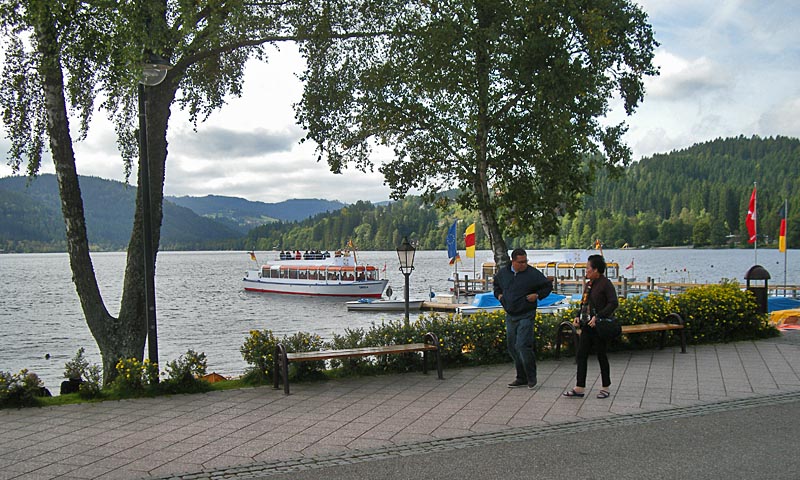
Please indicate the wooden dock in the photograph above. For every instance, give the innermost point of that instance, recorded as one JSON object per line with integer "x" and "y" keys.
{"x": 442, "y": 307}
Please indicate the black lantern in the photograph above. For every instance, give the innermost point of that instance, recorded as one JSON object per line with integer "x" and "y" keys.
{"x": 405, "y": 254}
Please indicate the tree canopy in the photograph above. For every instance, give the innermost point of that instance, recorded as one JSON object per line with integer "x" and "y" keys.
{"x": 501, "y": 99}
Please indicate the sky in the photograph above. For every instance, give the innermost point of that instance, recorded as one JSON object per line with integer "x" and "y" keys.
{"x": 727, "y": 69}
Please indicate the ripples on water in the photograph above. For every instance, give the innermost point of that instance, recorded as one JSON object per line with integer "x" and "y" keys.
{"x": 201, "y": 306}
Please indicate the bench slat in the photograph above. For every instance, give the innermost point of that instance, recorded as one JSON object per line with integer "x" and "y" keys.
{"x": 650, "y": 327}
{"x": 358, "y": 352}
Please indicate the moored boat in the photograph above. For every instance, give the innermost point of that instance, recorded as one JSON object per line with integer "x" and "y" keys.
{"x": 382, "y": 305}
{"x": 337, "y": 276}
{"x": 487, "y": 302}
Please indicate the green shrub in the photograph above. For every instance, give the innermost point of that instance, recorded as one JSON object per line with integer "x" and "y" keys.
{"x": 485, "y": 338}
{"x": 76, "y": 368}
{"x": 92, "y": 382}
{"x": 258, "y": 351}
{"x": 304, "y": 342}
{"x": 183, "y": 374}
{"x": 20, "y": 389}
{"x": 352, "y": 338}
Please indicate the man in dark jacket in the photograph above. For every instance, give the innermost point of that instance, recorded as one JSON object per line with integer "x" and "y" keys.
{"x": 518, "y": 287}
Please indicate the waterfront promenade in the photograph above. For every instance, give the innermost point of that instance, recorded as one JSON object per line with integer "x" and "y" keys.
{"x": 258, "y": 432}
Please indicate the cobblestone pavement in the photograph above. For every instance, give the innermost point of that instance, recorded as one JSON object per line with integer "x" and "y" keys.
{"x": 258, "y": 431}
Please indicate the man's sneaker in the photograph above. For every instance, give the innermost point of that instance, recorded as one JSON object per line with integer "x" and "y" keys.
{"x": 516, "y": 384}
{"x": 531, "y": 386}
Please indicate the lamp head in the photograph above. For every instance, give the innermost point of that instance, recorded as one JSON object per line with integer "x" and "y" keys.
{"x": 405, "y": 254}
{"x": 154, "y": 70}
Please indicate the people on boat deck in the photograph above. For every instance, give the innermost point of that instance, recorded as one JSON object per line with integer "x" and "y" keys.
{"x": 298, "y": 255}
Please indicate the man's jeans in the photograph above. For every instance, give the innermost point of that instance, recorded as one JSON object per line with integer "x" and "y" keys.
{"x": 522, "y": 346}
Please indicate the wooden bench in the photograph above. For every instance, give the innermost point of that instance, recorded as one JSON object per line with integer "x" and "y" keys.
{"x": 283, "y": 358}
{"x": 673, "y": 321}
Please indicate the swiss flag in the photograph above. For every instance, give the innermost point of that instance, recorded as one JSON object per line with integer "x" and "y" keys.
{"x": 750, "y": 219}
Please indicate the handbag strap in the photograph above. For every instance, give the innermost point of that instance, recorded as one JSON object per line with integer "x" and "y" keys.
{"x": 586, "y": 301}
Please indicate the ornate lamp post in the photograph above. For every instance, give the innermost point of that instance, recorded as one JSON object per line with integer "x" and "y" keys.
{"x": 153, "y": 73}
{"x": 405, "y": 253}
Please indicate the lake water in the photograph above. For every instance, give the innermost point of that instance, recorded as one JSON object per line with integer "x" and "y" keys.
{"x": 201, "y": 305}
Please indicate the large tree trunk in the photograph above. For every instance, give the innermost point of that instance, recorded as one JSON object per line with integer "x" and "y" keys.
{"x": 116, "y": 337}
{"x": 132, "y": 306}
{"x": 481, "y": 185}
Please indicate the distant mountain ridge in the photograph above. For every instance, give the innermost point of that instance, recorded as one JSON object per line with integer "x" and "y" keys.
{"x": 244, "y": 215}
{"x": 32, "y": 221}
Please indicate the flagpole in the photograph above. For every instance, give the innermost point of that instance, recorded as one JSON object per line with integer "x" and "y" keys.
{"x": 785, "y": 247}
{"x": 755, "y": 224}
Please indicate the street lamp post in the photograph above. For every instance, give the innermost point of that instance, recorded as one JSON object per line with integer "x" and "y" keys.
{"x": 153, "y": 73}
{"x": 405, "y": 253}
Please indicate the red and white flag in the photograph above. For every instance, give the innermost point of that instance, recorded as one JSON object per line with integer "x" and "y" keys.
{"x": 629, "y": 266}
{"x": 751, "y": 219}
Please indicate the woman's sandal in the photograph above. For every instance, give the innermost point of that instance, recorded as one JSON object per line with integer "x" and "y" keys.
{"x": 603, "y": 394}
{"x": 573, "y": 393}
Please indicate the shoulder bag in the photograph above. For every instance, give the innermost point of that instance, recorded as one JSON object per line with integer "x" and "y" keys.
{"x": 607, "y": 328}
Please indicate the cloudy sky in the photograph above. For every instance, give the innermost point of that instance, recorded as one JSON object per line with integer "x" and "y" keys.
{"x": 727, "y": 69}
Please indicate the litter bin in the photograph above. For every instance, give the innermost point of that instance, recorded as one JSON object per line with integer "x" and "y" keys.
{"x": 758, "y": 275}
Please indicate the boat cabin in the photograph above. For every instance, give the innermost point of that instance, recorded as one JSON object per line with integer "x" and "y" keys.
{"x": 330, "y": 273}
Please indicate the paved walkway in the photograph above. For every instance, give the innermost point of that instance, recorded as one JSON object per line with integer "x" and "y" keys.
{"x": 258, "y": 431}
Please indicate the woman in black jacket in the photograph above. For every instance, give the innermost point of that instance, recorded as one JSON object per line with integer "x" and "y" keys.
{"x": 599, "y": 301}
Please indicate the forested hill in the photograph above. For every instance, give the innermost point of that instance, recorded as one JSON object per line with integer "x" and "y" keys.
{"x": 698, "y": 195}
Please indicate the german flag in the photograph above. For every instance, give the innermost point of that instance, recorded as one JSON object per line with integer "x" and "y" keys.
{"x": 782, "y": 234}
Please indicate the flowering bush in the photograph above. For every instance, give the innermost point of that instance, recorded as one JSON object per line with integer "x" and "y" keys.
{"x": 135, "y": 377}
{"x": 258, "y": 351}
{"x": 721, "y": 313}
{"x": 20, "y": 389}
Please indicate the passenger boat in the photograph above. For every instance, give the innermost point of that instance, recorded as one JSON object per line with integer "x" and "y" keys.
{"x": 319, "y": 275}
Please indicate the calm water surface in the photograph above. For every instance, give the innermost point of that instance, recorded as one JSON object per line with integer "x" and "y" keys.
{"x": 201, "y": 305}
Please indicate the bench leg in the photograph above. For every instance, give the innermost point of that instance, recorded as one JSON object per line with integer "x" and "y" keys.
{"x": 281, "y": 367}
{"x": 662, "y": 337}
{"x": 559, "y": 339}
{"x": 432, "y": 339}
{"x": 683, "y": 340}
{"x": 438, "y": 364}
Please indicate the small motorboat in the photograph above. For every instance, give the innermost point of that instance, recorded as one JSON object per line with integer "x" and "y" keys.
{"x": 383, "y": 305}
{"x": 486, "y": 302}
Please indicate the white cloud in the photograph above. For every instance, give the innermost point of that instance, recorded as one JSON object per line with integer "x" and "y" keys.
{"x": 727, "y": 69}
{"x": 681, "y": 79}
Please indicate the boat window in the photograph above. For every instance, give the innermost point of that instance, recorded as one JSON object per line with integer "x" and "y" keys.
{"x": 312, "y": 274}
{"x": 333, "y": 276}
{"x": 265, "y": 272}
{"x": 372, "y": 275}
{"x": 293, "y": 274}
{"x": 302, "y": 274}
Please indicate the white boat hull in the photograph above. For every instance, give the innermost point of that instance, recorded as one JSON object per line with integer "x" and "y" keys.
{"x": 384, "y": 305}
{"x": 359, "y": 289}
